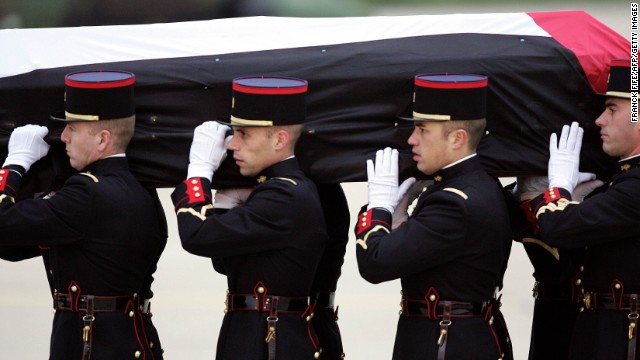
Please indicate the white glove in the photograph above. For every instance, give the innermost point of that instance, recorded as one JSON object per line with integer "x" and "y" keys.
{"x": 208, "y": 149}
{"x": 528, "y": 187}
{"x": 230, "y": 198}
{"x": 383, "y": 181}
{"x": 564, "y": 159}
{"x": 585, "y": 188}
{"x": 26, "y": 146}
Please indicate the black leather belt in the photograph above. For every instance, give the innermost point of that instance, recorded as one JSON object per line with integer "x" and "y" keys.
{"x": 422, "y": 308}
{"x": 542, "y": 291}
{"x": 250, "y": 303}
{"x": 100, "y": 303}
{"x": 620, "y": 302}
{"x": 324, "y": 299}
{"x": 604, "y": 301}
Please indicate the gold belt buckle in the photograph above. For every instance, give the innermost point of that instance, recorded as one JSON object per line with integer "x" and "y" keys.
{"x": 226, "y": 302}
{"x": 587, "y": 300}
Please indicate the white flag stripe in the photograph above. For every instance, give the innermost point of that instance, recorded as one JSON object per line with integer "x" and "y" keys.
{"x": 32, "y": 49}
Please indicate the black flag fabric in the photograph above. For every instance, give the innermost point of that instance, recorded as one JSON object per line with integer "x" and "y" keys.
{"x": 545, "y": 70}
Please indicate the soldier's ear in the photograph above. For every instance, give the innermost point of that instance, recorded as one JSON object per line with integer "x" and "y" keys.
{"x": 104, "y": 139}
{"x": 459, "y": 138}
{"x": 282, "y": 139}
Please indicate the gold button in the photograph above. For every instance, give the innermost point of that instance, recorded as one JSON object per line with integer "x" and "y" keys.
{"x": 74, "y": 288}
{"x": 432, "y": 297}
{"x": 137, "y": 354}
{"x": 196, "y": 188}
{"x": 578, "y": 282}
{"x": 581, "y": 308}
{"x": 316, "y": 355}
{"x": 581, "y": 268}
{"x": 491, "y": 321}
{"x": 151, "y": 344}
{"x": 196, "y": 194}
{"x": 131, "y": 313}
{"x": 2, "y": 171}
{"x": 194, "y": 181}
{"x": 260, "y": 290}
{"x": 1, "y": 178}
{"x": 617, "y": 286}
{"x": 308, "y": 318}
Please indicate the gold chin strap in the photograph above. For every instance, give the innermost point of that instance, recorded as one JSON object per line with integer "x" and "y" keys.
{"x": 437, "y": 117}
{"x": 71, "y": 116}
{"x": 238, "y": 121}
{"x": 619, "y": 94}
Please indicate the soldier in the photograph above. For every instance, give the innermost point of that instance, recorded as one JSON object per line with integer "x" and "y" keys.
{"x": 269, "y": 248}
{"x": 556, "y": 271}
{"x": 102, "y": 233}
{"x": 605, "y": 224}
{"x": 451, "y": 252}
{"x": 322, "y": 297}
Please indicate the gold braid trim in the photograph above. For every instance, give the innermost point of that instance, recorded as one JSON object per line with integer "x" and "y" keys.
{"x": 8, "y": 197}
{"x": 286, "y": 179}
{"x": 91, "y": 176}
{"x": 553, "y": 251}
{"x": 456, "y": 191}
{"x": 363, "y": 242}
{"x": 559, "y": 206}
{"x": 200, "y": 215}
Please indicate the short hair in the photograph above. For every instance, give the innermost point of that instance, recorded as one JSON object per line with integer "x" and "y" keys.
{"x": 294, "y": 132}
{"x": 121, "y": 130}
{"x": 474, "y": 128}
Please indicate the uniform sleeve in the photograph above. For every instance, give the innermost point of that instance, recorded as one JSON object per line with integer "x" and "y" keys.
{"x": 566, "y": 223}
{"x": 146, "y": 291}
{"x": 41, "y": 221}
{"x": 433, "y": 236}
{"x": 336, "y": 214}
{"x": 18, "y": 253}
{"x": 264, "y": 223}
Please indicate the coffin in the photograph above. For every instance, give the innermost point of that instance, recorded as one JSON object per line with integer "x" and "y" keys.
{"x": 545, "y": 70}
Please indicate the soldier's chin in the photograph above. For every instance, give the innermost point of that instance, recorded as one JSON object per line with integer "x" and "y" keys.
{"x": 248, "y": 172}
{"x": 74, "y": 165}
{"x": 609, "y": 151}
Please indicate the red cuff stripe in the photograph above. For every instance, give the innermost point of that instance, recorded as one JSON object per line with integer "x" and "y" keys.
{"x": 364, "y": 221}
{"x": 551, "y": 195}
{"x": 194, "y": 190}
